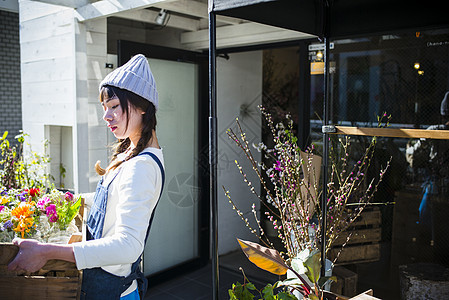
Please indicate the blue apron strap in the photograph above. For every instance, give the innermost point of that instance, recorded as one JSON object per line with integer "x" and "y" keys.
{"x": 156, "y": 159}
{"x": 136, "y": 273}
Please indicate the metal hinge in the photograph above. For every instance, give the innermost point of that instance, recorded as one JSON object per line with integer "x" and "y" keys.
{"x": 328, "y": 129}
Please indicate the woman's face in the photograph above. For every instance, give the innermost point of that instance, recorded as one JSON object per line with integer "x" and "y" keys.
{"x": 121, "y": 126}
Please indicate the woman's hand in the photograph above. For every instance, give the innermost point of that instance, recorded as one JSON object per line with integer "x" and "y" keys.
{"x": 30, "y": 258}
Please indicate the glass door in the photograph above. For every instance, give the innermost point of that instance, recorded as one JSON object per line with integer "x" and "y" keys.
{"x": 174, "y": 234}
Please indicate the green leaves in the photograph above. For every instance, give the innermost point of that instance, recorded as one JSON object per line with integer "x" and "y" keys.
{"x": 241, "y": 292}
{"x": 67, "y": 210}
{"x": 22, "y": 168}
{"x": 313, "y": 266}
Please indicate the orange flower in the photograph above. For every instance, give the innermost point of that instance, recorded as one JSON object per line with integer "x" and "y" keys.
{"x": 23, "y": 214}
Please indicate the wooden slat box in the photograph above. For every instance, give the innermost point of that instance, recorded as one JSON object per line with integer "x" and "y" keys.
{"x": 346, "y": 283}
{"x": 363, "y": 246}
{"x": 56, "y": 280}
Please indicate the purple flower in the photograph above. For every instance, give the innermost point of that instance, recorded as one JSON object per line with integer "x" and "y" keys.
{"x": 6, "y": 225}
{"x": 22, "y": 196}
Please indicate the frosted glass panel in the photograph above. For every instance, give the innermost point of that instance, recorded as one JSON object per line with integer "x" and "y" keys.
{"x": 174, "y": 234}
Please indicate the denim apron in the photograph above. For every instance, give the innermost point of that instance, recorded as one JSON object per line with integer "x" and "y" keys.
{"x": 97, "y": 284}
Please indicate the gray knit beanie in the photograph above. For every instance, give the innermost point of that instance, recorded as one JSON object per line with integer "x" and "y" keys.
{"x": 444, "y": 109}
{"x": 134, "y": 76}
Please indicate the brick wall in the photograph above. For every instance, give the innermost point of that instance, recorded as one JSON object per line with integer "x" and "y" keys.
{"x": 10, "y": 92}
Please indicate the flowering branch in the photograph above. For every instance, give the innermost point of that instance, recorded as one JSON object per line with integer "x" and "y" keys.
{"x": 294, "y": 175}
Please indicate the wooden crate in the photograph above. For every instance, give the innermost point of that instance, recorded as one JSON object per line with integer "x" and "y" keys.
{"x": 363, "y": 246}
{"x": 346, "y": 282}
{"x": 56, "y": 280}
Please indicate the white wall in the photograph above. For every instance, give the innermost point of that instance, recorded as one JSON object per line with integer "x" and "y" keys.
{"x": 239, "y": 82}
{"x": 62, "y": 63}
{"x": 99, "y": 135}
{"x": 48, "y": 74}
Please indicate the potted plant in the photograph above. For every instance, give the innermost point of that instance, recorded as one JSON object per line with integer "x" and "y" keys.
{"x": 30, "y": 206}
{"x": 293, "y": 190}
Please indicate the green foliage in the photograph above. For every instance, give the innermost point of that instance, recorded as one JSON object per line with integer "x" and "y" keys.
{"x": 62, "y": 172}
{"x": 243, "y": 292}
{"x": 22, "y": 168}
{"x": 247, "y": 290}
{"x": 313, "y": 267}
{"x": 67, "y": 210}
{"x": 269, "y": 293}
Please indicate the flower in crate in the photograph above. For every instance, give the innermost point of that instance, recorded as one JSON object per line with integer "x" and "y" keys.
{"x": 68, "y": 197}
{"x": 59, "y": 208}
{"x": 52, "y": 215}
{"x": 23, "y": 218}
{"x": 8, "y": 224}
{"x": 43, "y": 202}
{"x": 31, "y": 213}
{"x": 33, "y": 192}
{"x": 3, "y": 200}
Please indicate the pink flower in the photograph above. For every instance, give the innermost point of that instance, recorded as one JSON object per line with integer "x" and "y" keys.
{"x": 1, "y": 207}
{"x": 278, "y": 166}
{"x": 42, "y": 203}
{"x": 68, "y": 197}
{"x": 51, "y": 213}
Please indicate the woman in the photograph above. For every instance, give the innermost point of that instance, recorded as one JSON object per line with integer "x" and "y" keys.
{"x": 127, "y": 194}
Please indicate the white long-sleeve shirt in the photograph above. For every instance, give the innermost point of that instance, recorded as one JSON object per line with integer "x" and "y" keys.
{"x": 132, "y": 197}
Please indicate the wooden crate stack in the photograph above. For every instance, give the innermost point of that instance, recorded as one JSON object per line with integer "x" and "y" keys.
{"x": 364, "y": 244}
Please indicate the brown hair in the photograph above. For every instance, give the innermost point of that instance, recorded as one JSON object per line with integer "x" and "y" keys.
{"x": 149, "y": 124}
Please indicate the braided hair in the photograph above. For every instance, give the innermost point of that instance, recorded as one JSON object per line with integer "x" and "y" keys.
{"x": 148, "y": 124}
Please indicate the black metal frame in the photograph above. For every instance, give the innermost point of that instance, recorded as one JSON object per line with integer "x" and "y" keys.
{"x": 213, "y": 148}
{"x": 125, "y": 50}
